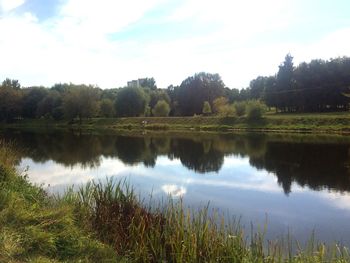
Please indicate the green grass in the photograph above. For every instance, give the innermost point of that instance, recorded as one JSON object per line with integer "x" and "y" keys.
{"x": 106, "y": 222}
{"x": 308, "y": 122}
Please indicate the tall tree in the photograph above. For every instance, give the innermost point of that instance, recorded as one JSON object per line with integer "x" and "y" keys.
{"x": 195, "y": 90}
{"x": 131, "y": 102}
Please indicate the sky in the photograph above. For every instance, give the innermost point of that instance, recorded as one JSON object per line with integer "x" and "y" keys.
{"x": 109, "y": 42}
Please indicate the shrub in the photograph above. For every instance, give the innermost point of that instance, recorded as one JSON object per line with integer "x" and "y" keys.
{"x": 255, "y": 109}
{"x": 161, "y": 109}
{"x": 240, "y": 108}
{"x": 206, "y": 108}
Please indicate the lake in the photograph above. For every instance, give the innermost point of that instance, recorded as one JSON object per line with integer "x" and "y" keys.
{"x": 296, "y": 183}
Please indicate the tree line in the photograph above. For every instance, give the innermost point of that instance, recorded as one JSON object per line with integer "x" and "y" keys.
{"x": 317, "y": 86}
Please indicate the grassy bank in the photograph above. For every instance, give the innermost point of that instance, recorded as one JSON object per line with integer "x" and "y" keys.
{"x": 106, "y": 222}
{"x": 308, "y": 123}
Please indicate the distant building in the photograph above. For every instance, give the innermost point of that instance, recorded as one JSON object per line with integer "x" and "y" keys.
{"x": 135, "y": 83}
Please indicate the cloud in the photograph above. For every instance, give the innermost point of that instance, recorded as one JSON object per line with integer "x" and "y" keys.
{"x": 9, "y": 5}
{"x": 89, "y": 41}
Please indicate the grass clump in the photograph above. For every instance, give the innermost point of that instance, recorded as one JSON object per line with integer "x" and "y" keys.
{"x": 34, "y": 228}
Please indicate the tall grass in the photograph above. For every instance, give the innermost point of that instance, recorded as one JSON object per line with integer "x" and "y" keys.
{"x": 171, "y": 233}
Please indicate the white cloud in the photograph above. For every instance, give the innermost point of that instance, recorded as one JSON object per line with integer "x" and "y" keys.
{"x": 8, "y": 5}
{"x": 75, "y": 46}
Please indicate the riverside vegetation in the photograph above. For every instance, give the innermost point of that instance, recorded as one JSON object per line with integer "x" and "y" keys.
{"x": 106, "y": 222}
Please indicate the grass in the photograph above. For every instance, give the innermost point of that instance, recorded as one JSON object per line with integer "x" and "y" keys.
{"x": 106, "y": 222}
{"x": 338, "y": 122}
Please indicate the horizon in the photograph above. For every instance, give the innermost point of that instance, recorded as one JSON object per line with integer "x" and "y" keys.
{"x": 106, "y": 44}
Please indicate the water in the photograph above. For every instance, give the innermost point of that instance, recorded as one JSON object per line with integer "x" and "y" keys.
{"x": 295, "y": 183}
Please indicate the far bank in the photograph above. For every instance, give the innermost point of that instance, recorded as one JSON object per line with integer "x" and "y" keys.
{"x": 294, "y": 123}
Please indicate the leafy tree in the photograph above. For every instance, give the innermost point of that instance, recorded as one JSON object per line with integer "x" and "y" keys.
{"x": 31, "y": 98}
{"x": 148, "y": 83}
{"x": 219, "y": 104}
{"x": 161, "y": 109}
{"x": 255, "y": 109}
{"x": 10, "y": 101}
{"x": 240, "y": 107}
{"x": 51, "y": 105}
{"x": 107, "y": 108}
{"x": 11, "y": 83}
{"x": 206, "y": 108}
{"x": 131, "y": 102}
{"x": 81, "y": 101}
{"x": 195, "y": 90}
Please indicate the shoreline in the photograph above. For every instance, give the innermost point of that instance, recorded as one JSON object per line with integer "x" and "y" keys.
{"x": 294, "y": 123}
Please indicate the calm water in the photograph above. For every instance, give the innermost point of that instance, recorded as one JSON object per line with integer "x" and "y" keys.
{"x": 298, "y": 183}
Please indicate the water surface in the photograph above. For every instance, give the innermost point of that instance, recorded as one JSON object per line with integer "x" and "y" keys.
{"x": 298, "y": 183}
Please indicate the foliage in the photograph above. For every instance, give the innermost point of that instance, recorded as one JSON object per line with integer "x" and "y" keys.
{"x": 255, "y": 109}
{"x": 81, "y": 101}
{"x": 131, "y": 102}
{"x": 206, "y": 108}
{"x": 161, "y": 109}
{"x": 195, "y": 90}
{"x": 240, "y": 108}
{"x": 107, "y": 108}
{"x": 219, "y": 104}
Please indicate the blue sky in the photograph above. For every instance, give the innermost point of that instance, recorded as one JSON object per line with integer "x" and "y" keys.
{"x": 109, "y": 42}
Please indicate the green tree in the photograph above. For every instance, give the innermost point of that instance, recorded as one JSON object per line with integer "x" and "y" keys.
{"x": 107, "y": 108}
{"x": 131, "y": 102}
{"x": 161, "y": 109}
{"x": 255, "y": 109}
{"x": 240, "y": 108}
{"x": 81, "y": 101}
{"x": 206, "y": 108}
{"x": 195, "y": 90}
{"x": 10, "y": 101}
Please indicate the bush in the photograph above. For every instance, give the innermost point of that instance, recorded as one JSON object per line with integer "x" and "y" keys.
{"x": 240, "y": 108}
{"x": 206, "y": 108}
{"x": 255, "y": 109}
{"x": 161, "y": 109}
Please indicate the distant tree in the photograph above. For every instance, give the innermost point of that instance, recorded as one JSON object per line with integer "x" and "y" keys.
{"x": 51, "y": 105}
{"x": 206, "y": 108}
{"x": 195, "y": 90}
{"x": 81, "y": 101}
{"x": 285, "y": 84}
{"x": 107, "y": 108}
{"x": 148, "y": 83}
{"x": 10, "y": 101}
{"x": 131, "y": 102}
{"x": 255, "y": 109}
{"x": 161, "y": 109}
{"x": 240, "y": 108}
{"x": 219, "y": 104}
{"x": 157, "y": 95}
{"x": 11, "y": 83}
{"x": 31, "y": 98}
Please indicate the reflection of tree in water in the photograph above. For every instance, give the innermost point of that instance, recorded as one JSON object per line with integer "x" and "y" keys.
{"x": 200, "y": 157}
{"x": 318, "y": 165}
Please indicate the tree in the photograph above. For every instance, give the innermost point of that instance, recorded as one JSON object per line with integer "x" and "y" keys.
{"x": 255, "y": 110}
{"x": 240, "y": 108}
{"x": 131, "y": 102}
{"x": 285, "y": 84}
{"x": 31, "y": 98}
{"x": 197, "y": 89}
{"x": 51, "y": 105}
{"x": 10, "y": 101}
{"x": 206, "y": 108}
{"x": 219, "y": 104}
{"x": 81, "y": 101}
{"x": 161, "y": 109}
{"x": 148, "y": 83}
{"x": 107, "y": 108}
